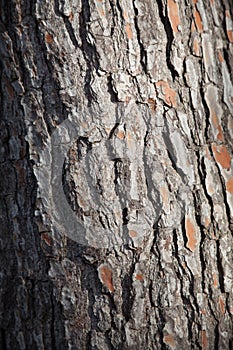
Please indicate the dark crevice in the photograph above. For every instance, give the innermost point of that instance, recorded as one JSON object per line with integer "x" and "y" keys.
{"x": 193, "y": 294}
{"x": 107, "y": 336}
{"x": 151, "y": 294}
{"x": 53, "y": 325}
{"x": 170, "y": 37}
{"x": 202, "y": 176}
{"x": 113, "y": 130}
{"x": 183, "y": 231}
{"x": 116, "y": 172}
{"x": 189, "y": 310}
{"x": 202, "y": 258}
{"x": 197, "y": 206}
{"x": 118, "y": 6}
{"x": 67, "y": 23}
{"x": 161, "y": 322}
{"x": 227, "y": 207}
{"x": 207, "y": 112}
{"x": 83, "y": 147}
{"x": 143, "y": 56}
{"x": 153, "y": 245}
{"x": 175, "y": 244}
{"x": 127, "y": 297}
{"x": 220, "y": 267}
{"x": 89, "y": 52}
{"x": 125, "y": 217}
{"x": 3, "y": 343}
{"x": 112, "y": 92}
{"x": 227, "y": 59}
{"x": 49, "y": 85}
{"x": 216, "y": 339}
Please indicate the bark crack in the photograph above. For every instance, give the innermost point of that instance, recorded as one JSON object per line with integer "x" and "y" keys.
{"x": 143, "y": 56}
{"x": 68, "y": 25}
{"x": 170, "y": 37}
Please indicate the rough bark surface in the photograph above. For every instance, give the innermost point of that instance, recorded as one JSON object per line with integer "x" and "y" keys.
{"x": 148, "y": 84}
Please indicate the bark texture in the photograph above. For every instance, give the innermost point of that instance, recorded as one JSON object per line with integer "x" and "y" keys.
{"x": 148, "y": 85}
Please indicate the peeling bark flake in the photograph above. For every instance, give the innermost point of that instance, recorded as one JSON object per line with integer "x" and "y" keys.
{"x": 222, "y": 156}
{"x": 229, "y": 185}
{"x": 198, "y": 21}
{"x": 169, "y": 340}
{"x": 191, "y": 234}
{"x": 129, "y": 31}
{"x": 105, "y": 275}
{"x": 169, "y": 93}
{"x": 48, "y": 38}
{"x": 173, "y": 14}
{"x": 204, "y": 340}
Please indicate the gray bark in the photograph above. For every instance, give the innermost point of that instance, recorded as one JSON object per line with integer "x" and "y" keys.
{"x": 116, "y": 174}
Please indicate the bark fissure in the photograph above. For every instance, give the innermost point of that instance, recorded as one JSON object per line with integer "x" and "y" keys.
{"x": 170, "y": 37}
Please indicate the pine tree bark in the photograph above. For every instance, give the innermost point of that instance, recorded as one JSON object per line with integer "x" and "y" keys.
{"x": 129, "y": 105}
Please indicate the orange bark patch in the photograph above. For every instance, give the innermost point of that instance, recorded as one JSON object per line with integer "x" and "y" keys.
{"x": 170, "y": 94}
{"x": 49, "y": 38}
{"x": 167, "y": 243}
{"x": 125, "y": 15}
{"x": 222, "y": 305}
{"x": 215, "y": 280}
{"x": 132, "y": 233}
{"x": 204, "y": 340}
{"x": 220, "y": 134}
{"x": 220, "y": 56}
{"x": 215, "y": 119}
{"x": 193, "y": 28}
{"x": 139, "y": 277}
{"x": 228, "y": 14}
{"x": 230, "y": 185}
{"x": 71, "y": 16}
{"x": 46, "y": 238}
{"x": 216, "y": 124}
{"x": 120, "y": 134}
{"x": 198, "y": 21}
{"x": 173, "y": 14}
{"x": 169, "y": 339}
{"x": 207, "y": 222}
{"x": 230, "y": 35}
{"x": 195, "y": 1}
{"x": 106, "y": 277}
{"x": 222, "y": 156}
{"x": 152, "y": 104}
{"x": 191, "y": 234}
{"x": 129, "y": 31}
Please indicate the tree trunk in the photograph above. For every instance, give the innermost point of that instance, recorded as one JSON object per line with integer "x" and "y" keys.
{"x": 116, "y": 174}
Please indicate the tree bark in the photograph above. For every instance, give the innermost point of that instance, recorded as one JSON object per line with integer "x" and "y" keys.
{"x": 116, "y": 174}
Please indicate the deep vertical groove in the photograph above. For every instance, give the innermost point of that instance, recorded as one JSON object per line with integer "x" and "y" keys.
{"x": 170, "y": 37}
{"x": 143, "y": 56}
